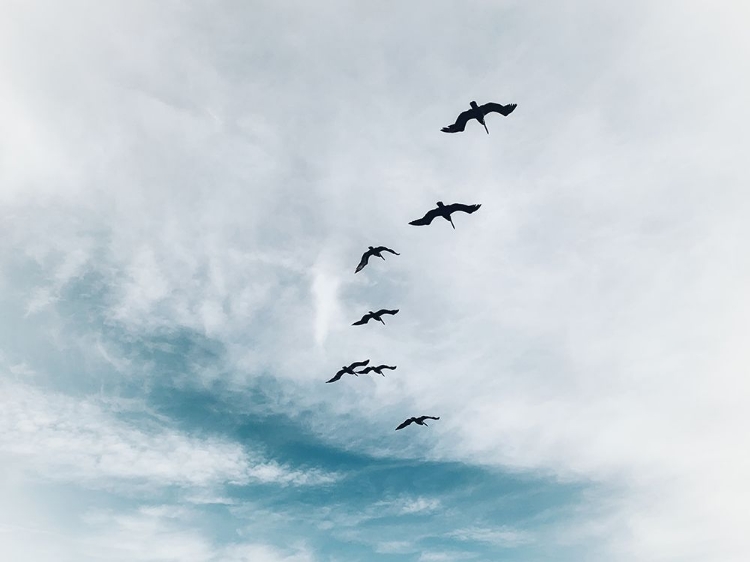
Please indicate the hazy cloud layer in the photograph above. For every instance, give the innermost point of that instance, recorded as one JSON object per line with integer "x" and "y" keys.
{"x": 218, "y": 169}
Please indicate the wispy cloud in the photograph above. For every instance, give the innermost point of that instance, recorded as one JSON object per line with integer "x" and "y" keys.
{"x": 501, "y": 537}
{"x": 79, "y": 440}
{"x": 406, "y": 505}
{"x": 162, "y": 533}
{"x": 445, "y": 556}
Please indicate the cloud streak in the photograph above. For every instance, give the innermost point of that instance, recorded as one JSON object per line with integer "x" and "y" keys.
{"x": 78, "y": 440}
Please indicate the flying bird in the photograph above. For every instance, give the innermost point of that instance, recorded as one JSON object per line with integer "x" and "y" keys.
{"x": 478, "y": 112}
{"x": 374, "y": 316}
{"x": 419, "y": 421}
{"x": 444, "y": 211}
{"x": 378, "y": 369}
{"x": 348, "y": 370}
{"x": 373, "y": 252}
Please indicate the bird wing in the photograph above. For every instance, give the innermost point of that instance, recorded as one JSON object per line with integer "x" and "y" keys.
{"x": 460, "y": 123}
{"x": 427, "y": 219}
{"x": 364, "y": 320}
{"x": 405, "y": 423}
{"x": 386, "y": 311}
{"x": 498, "y": 108}
{"x": 384, "y": 249}
{"x": 388, "y": 367}
{"x": 359, "y": 364}
{"x": 422, "y": 418}
{"x": 366, "y": 370}
{"x": 363, "y": 261}
{"x": 337, "y": 376}
{"x": 461, "y": 207}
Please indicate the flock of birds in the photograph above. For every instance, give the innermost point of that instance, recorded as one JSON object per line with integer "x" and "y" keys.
{"x": 477, "y": 112}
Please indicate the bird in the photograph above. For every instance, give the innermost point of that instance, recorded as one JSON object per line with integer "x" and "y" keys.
{"x": 378, "y": 369}
{"x": 444, "y": 211}
{"x": 374, "y": 316}
{"x": 373, "y": 252}
{"x": 478, "y": 112}
{"x": 349, "y": 370}
{"x": 419, "y": 421}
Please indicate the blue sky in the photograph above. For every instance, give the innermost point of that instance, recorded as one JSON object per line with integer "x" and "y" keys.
{"x": 186, "y": 188}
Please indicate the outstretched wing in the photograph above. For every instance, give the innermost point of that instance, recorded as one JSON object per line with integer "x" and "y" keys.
{"x": 384, "y": 249}
{"x": 359, "y": 364}
{"x": 498, "y": 108}
{"x": 405, "y": 423}
{"x": 422, "y": 418}
{"x": 386, "y": 311}
{"x": 364, "y": 320}
{"x": 363, "y": 261}
{"x": 387, "y": 367}
{"x": 337, "y": 376}
{"x": 427, "y": 219}
{"x": 366, "y": 370}
{"x": 460, "y": 123}
{"x": 461, "y": 207}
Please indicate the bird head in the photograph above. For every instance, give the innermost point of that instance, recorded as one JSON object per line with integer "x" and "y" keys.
{"x": 473, "y": 105}
{"x": 440, "y": 204}
{"x": 370, "y": 247}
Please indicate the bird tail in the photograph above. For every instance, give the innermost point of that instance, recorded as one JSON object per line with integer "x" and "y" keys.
{"x": 485, "y": 128}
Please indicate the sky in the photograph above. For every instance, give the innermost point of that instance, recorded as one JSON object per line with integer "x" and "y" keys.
{"x": 186, "y": 188}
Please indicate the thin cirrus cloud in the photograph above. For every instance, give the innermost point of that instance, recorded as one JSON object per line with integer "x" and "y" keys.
{"x": 77, "y": 440}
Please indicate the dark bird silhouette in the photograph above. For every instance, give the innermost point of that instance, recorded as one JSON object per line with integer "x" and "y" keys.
{"x": 478, "y": 112}
{"x": 378, "y": 369}
{"x": 444, "y": 211}
{"x": 373, "y": 252}
{"x": 419, "y": 421}
{"x": 349, "y": 370}
{"x": 374, "y": 316}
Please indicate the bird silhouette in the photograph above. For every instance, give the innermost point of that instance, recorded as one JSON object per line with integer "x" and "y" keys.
{"x": 373, "y": 252}
{"x": 419, "y": 421}
{"x": 374, "y": 316}
{"x": 478, "y": 112}
{"x": 378, "y": 369}
{"x": 444, "y": 211}
{"x": 349, "y": 370}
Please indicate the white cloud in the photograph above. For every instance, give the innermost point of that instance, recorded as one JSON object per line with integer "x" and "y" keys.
{"x": 160, "y": 533}
{"x": 503, "y": 537}
{"x": 406, "y": 505}
{"x": 589, "y": 322}
{"x": 80, "y": 441}
{"x": 395, "y": 547}
{"x": 444, "y": 556}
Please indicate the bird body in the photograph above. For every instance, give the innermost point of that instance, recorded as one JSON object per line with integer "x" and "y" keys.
{"x": 418, "y": 421}
{"x": 348, "y": 370}
{"x": 374, "y": 316}
{"x": 478, "y": 112}
{"x": 444, "y": 211}
{"x": 373, "y": 252}
{"x": 378, "y": 369}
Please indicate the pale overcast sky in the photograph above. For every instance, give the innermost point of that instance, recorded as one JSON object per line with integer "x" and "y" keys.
{"x": 186, "y": 188}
